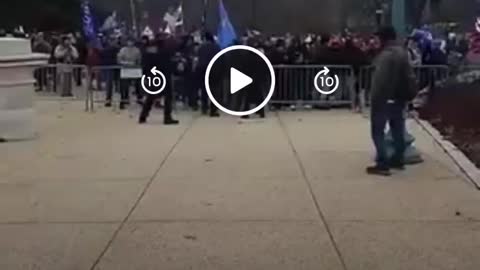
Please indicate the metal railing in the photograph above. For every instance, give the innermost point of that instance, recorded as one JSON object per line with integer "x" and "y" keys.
{"x": 59, "y": 79}
{"x": 294, "y": 84}
{"x": 429, "y": 75}
{"x": 103, "y": 86}
{"x": 426, "y": 76}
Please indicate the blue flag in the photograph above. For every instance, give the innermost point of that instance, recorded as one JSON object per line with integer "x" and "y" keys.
{"x": 88, "y": 23}
{"x": 226, "y": 32}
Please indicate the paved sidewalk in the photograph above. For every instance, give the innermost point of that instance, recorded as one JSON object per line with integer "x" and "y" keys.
{"x": 98, "y": 191}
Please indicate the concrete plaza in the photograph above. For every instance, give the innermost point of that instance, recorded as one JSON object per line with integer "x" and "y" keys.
{"x": 98, "y": 191}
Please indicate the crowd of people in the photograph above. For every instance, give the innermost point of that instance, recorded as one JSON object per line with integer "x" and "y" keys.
{"x": 188, "y": 60}
{"x": 286, "y": 49}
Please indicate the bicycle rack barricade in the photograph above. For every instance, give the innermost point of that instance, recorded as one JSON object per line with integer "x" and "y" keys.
{"x": 295, "y": 85}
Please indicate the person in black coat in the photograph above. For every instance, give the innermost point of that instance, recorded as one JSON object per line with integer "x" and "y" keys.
{"x": 110, "y": 74}
{"x": 159, "y": 55}
{"x": 255, "y": 93}
{"x": 205, "y": 54}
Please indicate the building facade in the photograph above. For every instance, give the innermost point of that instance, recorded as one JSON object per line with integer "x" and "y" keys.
{"x": 270, "y": 16}
{"x": 296, "y": 16}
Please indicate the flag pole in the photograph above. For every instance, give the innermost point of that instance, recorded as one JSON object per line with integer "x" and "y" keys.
{"x": 204, "y": 17}
{"x": 398, "y": 16}
{"x": 183, "y": 18}
{"x": 134, "y": 17}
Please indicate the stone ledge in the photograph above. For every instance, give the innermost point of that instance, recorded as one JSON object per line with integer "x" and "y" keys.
{"x": 463, "y": 162}
{"x": 17, "y": 83}
{"x": 23, "y": 61}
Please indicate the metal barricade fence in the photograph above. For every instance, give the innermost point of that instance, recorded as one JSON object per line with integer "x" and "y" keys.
{"x": 103, "y": 86}
{"x": 427, "y": 76}
{"x": 117, "y": 86}
{"x": 46, "y": 78}
{"x": 112, "y": 86}
{"x": 295, "y": 85}
{"x": 59, "y": 80}
{"x": 431, "y": 75}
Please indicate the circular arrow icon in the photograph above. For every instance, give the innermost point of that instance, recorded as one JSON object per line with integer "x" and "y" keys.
{"x": 157, "y": 80}
{"x": 326, "y": 81}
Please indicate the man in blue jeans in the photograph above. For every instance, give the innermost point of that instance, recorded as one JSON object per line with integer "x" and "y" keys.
{"x": 389, "y": 97}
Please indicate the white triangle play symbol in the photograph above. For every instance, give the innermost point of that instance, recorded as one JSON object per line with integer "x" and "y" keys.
{"x": 238, "y": 80}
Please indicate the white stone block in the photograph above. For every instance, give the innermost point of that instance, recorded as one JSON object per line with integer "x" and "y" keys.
{"x": 17, "y": 63}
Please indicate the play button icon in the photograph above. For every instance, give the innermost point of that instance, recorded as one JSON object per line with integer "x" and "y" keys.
{"x": 239, "y": 77}
{"x": 238, "y": 80}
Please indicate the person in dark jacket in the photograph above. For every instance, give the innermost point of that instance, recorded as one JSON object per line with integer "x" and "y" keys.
{"x": 206, "y": 53}
{"x": 110, "y": 74}
{"x": 158, "y": 54}
{"x": 254, "y": 94}
{"x": 81, "y": 46}
{"x": 390, "y": 83}
{"x": 278, "y": 54}
{"x": 193, "y": 80}
{"x": 40, "y": 45}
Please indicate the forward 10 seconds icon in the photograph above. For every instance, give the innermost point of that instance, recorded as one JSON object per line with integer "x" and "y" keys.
{"x": 324, "y": 83}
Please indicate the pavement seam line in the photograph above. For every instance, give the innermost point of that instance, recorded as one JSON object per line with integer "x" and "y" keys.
{"x": 140, "y": 197}
{"x": 147, "y": 221}
{"x": 310, "y": 190}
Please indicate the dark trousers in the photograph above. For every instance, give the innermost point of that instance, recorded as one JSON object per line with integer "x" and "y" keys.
{"x": 54, "y": 73}
{"x": 214, "y": 88}
{"x": 253, "y": 97}
{"x": 207, "y": 105}
{"x": 77, "y": 73}
{"x": 111, "y": 81}
{"x": 181, "y": 90}
{"x": 167, "y": 109}
{"x": 125, "y": 89}
{"x": 393, "y": 114}
{"x": 42, "y": 77}
{"x": 193, "y": 86}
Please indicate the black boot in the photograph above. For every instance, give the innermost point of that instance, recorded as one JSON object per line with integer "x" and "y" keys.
{"x": 170, "y": 121}
{"x": 397, "y": 165}
{"x": 214, "y": 114}
{"x": 378, "y": 170}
